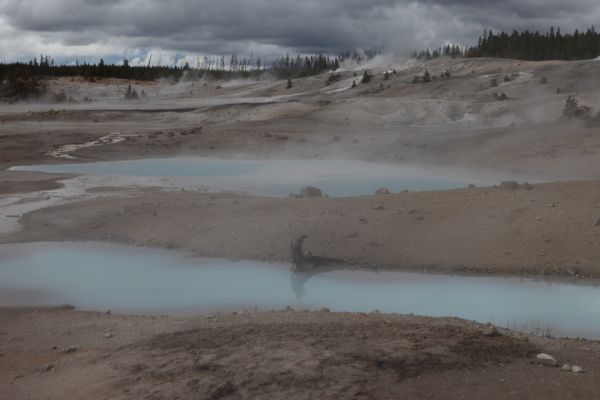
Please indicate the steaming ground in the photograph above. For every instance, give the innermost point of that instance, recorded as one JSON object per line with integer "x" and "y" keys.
{"x": 457, "y": 122}
{"x": 453, "y": 122}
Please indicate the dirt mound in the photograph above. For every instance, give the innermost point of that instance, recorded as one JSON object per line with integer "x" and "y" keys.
{"x": 314, "y": 359}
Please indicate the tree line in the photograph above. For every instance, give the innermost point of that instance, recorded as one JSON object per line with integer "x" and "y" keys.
{"x": 25, "y": 79}
{"x": 535, "y": 46}
{"x": 45, "y": 67}
{"x": 525, "y": 45}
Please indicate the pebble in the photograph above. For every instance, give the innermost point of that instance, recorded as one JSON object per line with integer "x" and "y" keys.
{"x": 577, "y": 369}
{"x": 566, "y": 368}
{"x": 490, "y": 331}
{"x": 108, "y": 335}
{"x": 70, "y": 350}
{"x": 546, "y": 359}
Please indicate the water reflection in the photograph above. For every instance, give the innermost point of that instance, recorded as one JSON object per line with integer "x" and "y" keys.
{"x": 134, "y": 280}
{"x": 299, "y": 279}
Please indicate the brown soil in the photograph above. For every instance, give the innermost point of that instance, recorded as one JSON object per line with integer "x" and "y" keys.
{"x": 549, "y": 229}
{"x": 57, "y": 354}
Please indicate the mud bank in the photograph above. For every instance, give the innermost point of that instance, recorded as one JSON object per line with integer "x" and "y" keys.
{"x": 547, "y": 229}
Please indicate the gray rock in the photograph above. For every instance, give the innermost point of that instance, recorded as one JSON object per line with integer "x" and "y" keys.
{"x": 566, "y": 368}
{"x": 490, "y": 331}
{"x": 546, "y": 359}
{"x": 311, "y": 191}
{"x": 382, "y": 191}
{"x": 108, "y": 335}
{"x": 509, "y": 185}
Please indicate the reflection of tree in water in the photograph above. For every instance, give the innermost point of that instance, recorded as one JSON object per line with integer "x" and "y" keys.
{"x": 305, "y": 266}
{"x": 299, "y": 279}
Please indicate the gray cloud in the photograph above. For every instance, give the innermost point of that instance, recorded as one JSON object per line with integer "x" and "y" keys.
{"x": 270, "y": 26}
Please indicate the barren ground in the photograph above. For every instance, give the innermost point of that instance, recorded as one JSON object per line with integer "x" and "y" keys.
{"x": 57, "y": 354}
{"x": 552, "y": 228}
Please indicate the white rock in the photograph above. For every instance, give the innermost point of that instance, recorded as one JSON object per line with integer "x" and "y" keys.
{"x": 546, "y": 359}
{"x": 566, "y": 368}
{"x": 576, "y": 369}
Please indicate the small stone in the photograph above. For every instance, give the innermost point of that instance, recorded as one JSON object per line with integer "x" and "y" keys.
{"x": 70, "y": 350}
{"x": 509, "y": 185}
{"x": 573, "y": 271}
{"x": 552, "y": 205}
{"x": 546, "y": 359}
{"x": 311, "y": 191}
{"x": 566, "y": 368}
{"x": 382, "y": 191}
{"x": 379, "y": 208}
{"x": 577, "y": 369}
{"x": 490, "y": 331}
{"x": 108, "y": 335}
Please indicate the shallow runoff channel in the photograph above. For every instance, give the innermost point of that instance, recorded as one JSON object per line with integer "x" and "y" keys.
{"x": 281, "y": 177}
{"x": 94, "y": 276}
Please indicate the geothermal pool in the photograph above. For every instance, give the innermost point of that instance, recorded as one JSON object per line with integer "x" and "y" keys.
{"x": 95, "y": 276}
{"x": 281, "y": 177}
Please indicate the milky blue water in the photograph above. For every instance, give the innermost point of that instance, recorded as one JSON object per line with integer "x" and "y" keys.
{"x": 137, "y": 280}
{"x": 282, "y": 177}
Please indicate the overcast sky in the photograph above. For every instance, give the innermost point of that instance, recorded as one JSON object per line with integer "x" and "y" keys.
{"x": 116, "y": 28}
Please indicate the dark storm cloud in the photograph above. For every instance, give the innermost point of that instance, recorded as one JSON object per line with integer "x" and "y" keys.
{"x": 218, "y": 26}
